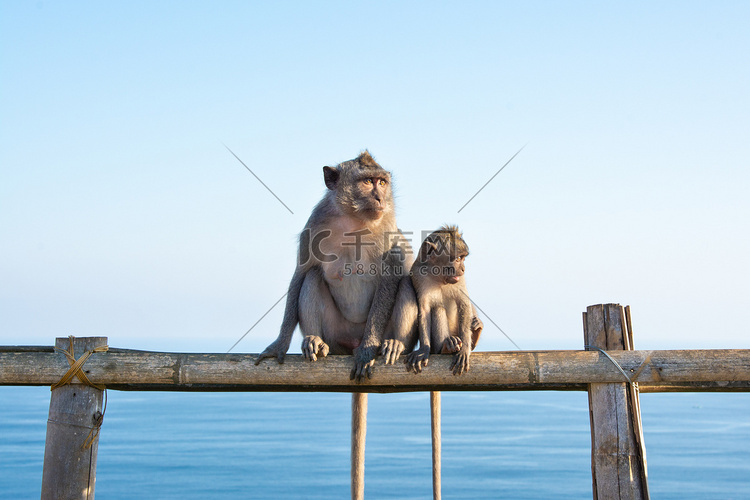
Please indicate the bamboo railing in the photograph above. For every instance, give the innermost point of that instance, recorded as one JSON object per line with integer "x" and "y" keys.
{"x": 722, "y": 370}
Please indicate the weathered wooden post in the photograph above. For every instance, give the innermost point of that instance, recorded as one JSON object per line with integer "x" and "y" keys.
{"x": 618, "y": 455}
{"x": 75, "y": 415}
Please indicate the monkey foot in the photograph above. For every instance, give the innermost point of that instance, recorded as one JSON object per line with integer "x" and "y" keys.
{"x": 391, "y": 350}
{"x": 418, "y": 359}
{"x": 272, "y": 351}
{"x": 313, "y": 346}
{"x": 460, "y": 364}
{"x": 476, "y": 330}
{"x": 364, "y": 359}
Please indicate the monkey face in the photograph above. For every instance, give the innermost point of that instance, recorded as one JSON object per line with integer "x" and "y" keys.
{"x": 445, "y": 268}
{"x": 372, "y": 197}
{"x": 444, "y": 251}
{"x": 452, "y": 269}
{"x": 362, "y": 187}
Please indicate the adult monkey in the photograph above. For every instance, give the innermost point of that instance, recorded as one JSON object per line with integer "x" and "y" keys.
{"x": 351, "y": 258}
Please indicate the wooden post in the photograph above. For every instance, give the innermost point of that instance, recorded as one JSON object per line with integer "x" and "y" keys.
{"x": 359, "y": 434}
{"x": 72, "y": 444}
{"x": 618, "y": 459}
{"x": 436, "y": 444}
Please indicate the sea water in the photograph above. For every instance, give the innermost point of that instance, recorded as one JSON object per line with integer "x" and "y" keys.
{"x": 524, "y": 445}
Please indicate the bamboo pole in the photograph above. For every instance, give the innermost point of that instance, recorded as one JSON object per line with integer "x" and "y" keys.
{"x": 72, "y": 442}
{"x": 635, "y": 403}
{"x": 359, "y": 433}
{"x": 655, "y": 371}
{"x": 435, "y": 406}
{"x": 617, "y": 455}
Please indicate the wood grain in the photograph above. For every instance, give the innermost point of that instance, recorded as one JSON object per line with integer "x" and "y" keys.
{"x": 663, "y": 370}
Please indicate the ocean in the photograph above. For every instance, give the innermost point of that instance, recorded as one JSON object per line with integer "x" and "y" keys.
{"x": 513, "y": 445}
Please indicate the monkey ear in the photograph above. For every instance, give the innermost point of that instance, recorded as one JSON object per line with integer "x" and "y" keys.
{"x": 331, "y": 176}
{"x": 428, "y": 248}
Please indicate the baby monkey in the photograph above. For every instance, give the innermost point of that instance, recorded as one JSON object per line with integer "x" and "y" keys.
{"x": 433, "y": 306}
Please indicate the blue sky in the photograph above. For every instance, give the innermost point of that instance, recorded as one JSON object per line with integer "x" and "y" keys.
{"x": 122, "y": 214}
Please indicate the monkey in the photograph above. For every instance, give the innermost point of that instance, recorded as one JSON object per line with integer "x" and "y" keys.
{"x": 350, "y": 259}
{"x": 445, "y": 311}
{"x": 433, "y": 307}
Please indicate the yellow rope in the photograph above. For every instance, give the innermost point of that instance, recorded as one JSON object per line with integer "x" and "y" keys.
{"x": 645, "y": 363}
{"x": 76, "y": 365}
{"x": 98, "y": 419}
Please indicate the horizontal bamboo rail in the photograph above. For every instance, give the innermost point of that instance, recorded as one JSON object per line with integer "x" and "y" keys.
{"x": 725, "y": 370}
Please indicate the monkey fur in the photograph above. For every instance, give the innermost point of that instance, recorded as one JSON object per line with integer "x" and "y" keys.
{"x": 433, "y": 306}
{"x": 350, "y": 260}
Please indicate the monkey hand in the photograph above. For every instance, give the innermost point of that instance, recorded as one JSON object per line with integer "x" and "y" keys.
{"x": 418, "y": 359}
{"x": 275, "y": 350}
{"x": 460, "y": 364}
{"x": 391, "y": 349}
{"x": 313, "y": 346}
{"x": 364, "y": 359}
{"x": 452, "y": 344}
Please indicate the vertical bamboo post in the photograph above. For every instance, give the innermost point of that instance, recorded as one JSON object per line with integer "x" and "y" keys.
{"x": 618, "y": 460}
{"x": 635, "y": 403}
{"x": 74, "y": 412}
{"x": 436, "y": 444}
{"x": 359, "y": 434}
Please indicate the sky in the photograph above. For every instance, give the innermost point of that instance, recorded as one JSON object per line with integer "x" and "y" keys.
{"x": 124, "y": 214}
